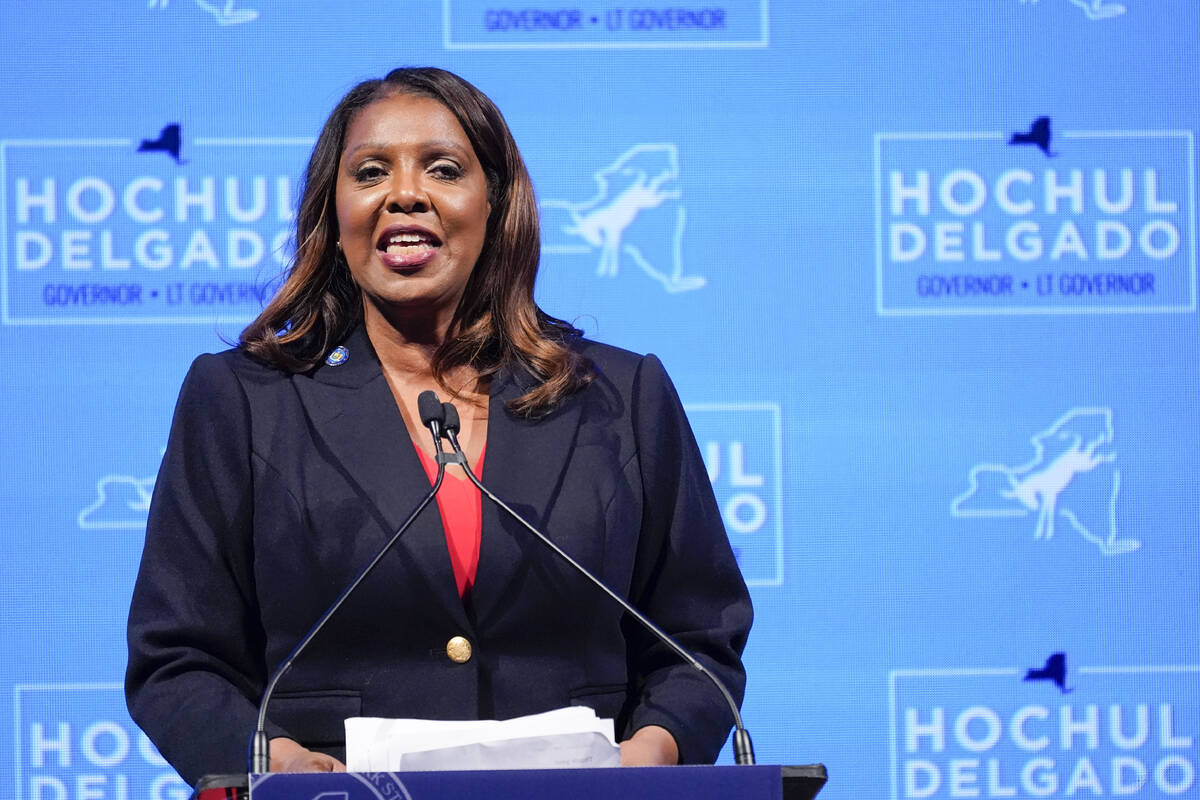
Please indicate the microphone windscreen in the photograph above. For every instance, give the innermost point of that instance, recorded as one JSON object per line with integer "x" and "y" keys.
{"x": 430, "y": 408}
{"x": 452, "y": 423}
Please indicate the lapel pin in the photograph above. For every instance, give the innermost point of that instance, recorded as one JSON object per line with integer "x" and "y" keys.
{"x": 337, "y": 356}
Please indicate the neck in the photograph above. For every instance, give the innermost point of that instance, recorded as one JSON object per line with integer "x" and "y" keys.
{"x": 402, "y": 355}
{"x": 405, "y": 349}
{"x": 405, "y": 341}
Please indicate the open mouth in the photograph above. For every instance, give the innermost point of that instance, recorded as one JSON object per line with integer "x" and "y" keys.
{"x": 407, "y": 247}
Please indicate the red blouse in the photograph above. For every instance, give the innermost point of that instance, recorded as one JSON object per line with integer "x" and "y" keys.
{"x": 460, "y": 505}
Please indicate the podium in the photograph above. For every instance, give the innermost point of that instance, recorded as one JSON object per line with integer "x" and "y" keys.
{"x": 771, "y": 782}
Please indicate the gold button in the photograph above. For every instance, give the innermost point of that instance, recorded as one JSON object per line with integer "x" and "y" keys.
{"x": 459, "y": 650}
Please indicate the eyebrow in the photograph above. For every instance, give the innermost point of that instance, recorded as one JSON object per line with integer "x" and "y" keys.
{"x": 429, "y": 144}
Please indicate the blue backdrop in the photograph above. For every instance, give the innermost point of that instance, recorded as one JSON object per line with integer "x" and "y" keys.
{"x": 924, "y": 274}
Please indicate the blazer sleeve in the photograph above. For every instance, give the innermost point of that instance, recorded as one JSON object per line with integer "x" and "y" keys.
{"x": 685, "y": 579}
{"x": 195, "y": 645}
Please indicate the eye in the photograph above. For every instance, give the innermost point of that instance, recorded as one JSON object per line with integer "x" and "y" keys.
{"x": 446, "y": 170}
{"x": 369, "y": 172}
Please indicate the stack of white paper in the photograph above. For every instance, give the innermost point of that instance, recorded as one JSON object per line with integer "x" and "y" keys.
{"x": 568, "y": 737}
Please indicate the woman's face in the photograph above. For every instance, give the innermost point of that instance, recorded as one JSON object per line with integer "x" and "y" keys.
{"x": 412, "y": 206}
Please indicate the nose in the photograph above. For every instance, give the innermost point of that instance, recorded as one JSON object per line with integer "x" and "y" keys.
{"x": 406, "y": 193}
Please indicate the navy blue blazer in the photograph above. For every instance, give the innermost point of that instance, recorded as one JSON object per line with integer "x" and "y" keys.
{"x": 277, "y": 488}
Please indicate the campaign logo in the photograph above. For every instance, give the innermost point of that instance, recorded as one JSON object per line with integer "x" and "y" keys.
{"x": 225, "y": 12}
{"x": 1038, "y": 135}
{"x": 635, "y": 219}
{"x": 1016, "y": 732}
{"x": 76, "y": 740}
{"x": 1035, "y": 220}
{"x": 742, "y": 447}
{"x": 1072, "y": 478}
{"x": 1054, "y": 671}
{"x": 122, "y": 501}
{"x": 165, "y": 228}
{"x": 169, "y": 141}
{"x": 1092, "y": 9}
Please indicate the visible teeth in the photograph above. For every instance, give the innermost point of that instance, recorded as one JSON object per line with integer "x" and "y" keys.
{"x": 396, "y": 249}
{"x": 407, "y": 238}
{"x": 406, "y": 242}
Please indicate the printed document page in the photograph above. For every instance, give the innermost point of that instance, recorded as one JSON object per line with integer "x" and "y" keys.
{"x": 567, "y": 737}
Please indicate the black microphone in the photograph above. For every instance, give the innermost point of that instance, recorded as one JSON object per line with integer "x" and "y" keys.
{"x": 743, "y": 748}
{"x": 451, "y": 421}
{"x": 432, "y": 417}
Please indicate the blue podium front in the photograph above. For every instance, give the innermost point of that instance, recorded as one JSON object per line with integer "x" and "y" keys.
{"x": 627, "y": 783}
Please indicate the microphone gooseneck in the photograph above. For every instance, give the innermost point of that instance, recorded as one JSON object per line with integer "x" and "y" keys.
{"x": 433, "y": 418}
{"x": 743, "y": 748}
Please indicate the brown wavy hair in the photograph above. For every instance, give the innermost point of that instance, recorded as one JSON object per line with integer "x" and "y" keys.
{"x": 497, "y": 324}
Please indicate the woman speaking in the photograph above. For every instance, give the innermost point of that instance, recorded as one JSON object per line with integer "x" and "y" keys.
{"x": 293, "y": 457}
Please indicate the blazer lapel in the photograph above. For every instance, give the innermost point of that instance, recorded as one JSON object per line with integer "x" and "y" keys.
{"x": 355, "y": 417}
{"x": 523, "y": 467}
